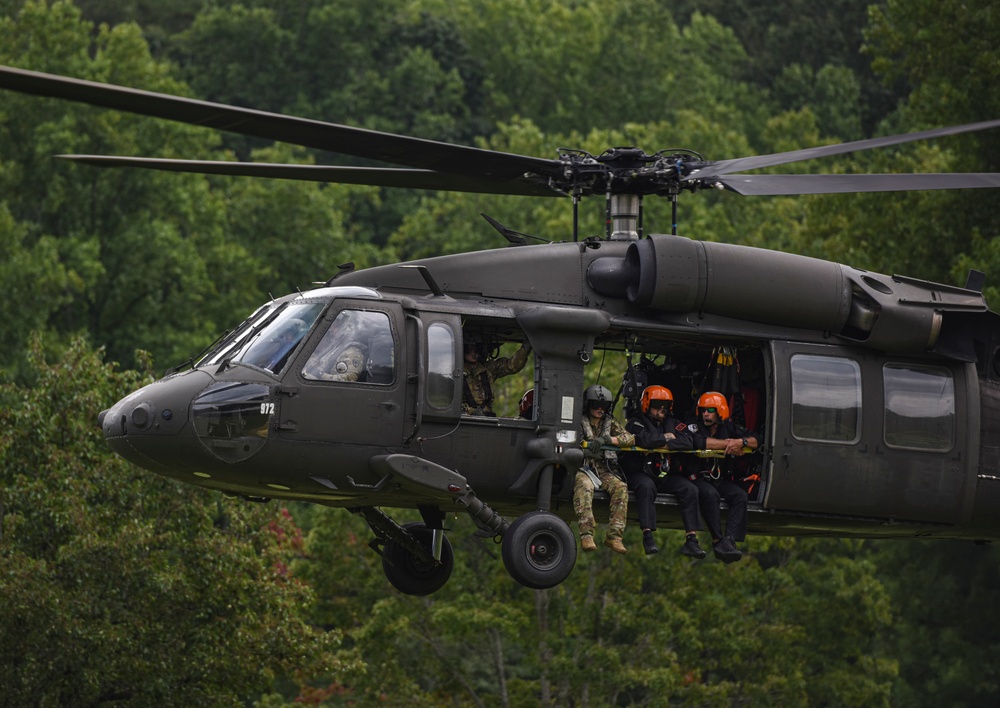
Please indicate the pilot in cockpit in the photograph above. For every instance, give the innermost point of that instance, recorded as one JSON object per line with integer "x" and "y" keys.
{"x": 345, "y": 364}
{"x": 341, "y": 355}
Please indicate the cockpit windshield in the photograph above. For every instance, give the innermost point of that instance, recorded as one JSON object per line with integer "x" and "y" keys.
{"x": 269, "y": 341}
{"x": 233, "y": 339}
{"x": 267, "y": 338}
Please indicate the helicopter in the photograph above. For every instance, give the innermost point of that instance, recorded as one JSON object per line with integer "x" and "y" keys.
{"x": 878, "y": 396}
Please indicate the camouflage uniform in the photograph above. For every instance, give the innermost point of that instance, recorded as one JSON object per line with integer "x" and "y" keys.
{"x": 348, "y": 365}
{"x": 479, "y": 378}
{"x": 605, "y": 466}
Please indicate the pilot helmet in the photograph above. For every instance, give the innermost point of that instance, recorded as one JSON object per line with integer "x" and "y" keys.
{"x": 474, "y": 347}
{"x": 657, "y": 393}
{"x": 292, "y": 329}
{"x": 596, "y": 394}
{"x": 714, "y": 399}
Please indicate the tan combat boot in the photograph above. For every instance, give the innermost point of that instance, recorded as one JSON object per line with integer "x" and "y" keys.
{"x": 616, "y": 545}
{"x": 587, "y": 542}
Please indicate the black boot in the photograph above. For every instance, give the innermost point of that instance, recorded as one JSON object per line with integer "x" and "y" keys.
{"x": 726, "y": 550}
{"x": 648, "y": 543}
{"x": 691, "y": 547}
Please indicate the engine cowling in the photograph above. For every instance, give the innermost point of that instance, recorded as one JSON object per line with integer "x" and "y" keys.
{"x": 676, "y": 274}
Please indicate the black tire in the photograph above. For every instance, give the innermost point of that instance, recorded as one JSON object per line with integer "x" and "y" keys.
{"x": 409, "y": 574}
{"x": 539, "y": 550}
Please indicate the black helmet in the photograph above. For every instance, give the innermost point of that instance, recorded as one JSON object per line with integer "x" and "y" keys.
{"x": 596, "y": 394}
{"x": 474, "y": 347}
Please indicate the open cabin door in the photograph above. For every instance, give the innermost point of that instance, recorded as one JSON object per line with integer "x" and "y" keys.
{"x": 860, "y": 434}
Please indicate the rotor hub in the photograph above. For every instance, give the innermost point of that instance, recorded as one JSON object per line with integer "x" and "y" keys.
{"x": 626, "y": 170}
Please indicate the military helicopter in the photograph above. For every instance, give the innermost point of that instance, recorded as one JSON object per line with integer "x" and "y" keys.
{"x": 878, "y": 396}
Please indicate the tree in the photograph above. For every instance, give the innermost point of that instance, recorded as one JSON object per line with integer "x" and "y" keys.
{"x": 137, "y": 258}
{"x": 798, "y": 35}
{"x": 126, "y": 587}
{"x": 796, "y": 623}
{"x": 946, "y": 599}
{"x": 953, "y": 84}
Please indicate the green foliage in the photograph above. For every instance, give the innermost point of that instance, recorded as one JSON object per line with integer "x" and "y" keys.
{"x": 121, "y": 586}
{"x": 832, "y": 90}
{"x": 800, "y": 37}
{"x": 953, "y": 83}
{"x": 946, "y": 599}
{"x": 136, "y": 258}
{"x": 952, "y": 79}
{"x": 380, "y": 65}
{"x": 796, "y": 623}
{"x": 579, "y": 66}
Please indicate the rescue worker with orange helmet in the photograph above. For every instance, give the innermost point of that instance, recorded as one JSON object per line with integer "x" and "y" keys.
{"x": 655, "y": 427}
{"x": 714, "y": 430}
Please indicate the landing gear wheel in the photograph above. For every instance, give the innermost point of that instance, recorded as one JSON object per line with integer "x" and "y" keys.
{"x": 539, "y": 550}
{"x": 411, "y": 575}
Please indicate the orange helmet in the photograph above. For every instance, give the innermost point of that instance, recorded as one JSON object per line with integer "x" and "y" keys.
{"x": 713, "y": 399}
{"x": 656, "y": 393}
{"x": 527, "y": 403}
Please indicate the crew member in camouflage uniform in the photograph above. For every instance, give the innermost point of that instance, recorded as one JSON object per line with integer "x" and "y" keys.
{"x": 600, "y": 428}
{"x": 478, "y": 377}
{"x": 348, "y": 365}
{"x": 344, "y": 364}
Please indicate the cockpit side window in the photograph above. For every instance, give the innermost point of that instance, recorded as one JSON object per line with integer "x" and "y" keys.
{"x": 358, "y": 347}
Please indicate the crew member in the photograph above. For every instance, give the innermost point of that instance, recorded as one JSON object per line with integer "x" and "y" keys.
{"x": 713, "y": 430}
{"x": 601, "y": 470}
{"x": 348, "y": 364}
{"x": 647, "y": 473}
{"x": 479, "y": 375}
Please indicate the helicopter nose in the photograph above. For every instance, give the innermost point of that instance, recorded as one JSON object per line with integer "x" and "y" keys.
{"x": 151, "y": 427}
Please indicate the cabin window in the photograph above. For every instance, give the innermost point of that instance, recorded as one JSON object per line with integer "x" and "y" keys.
{"x": 826, "y": 398}
{"x": 440, "y": 365}
{"x": 919, "y": 407}
{"x": 358, "y": 347}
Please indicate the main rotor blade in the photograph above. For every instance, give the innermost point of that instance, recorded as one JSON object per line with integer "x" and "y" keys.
{"x": 359, "y": 142}
{"x": 772, "y": 185}
{"x": 375, "y": 176}
{"x": 741, "y": 164}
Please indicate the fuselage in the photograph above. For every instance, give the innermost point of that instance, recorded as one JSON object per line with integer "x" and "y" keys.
{"x": 874, "y": 396}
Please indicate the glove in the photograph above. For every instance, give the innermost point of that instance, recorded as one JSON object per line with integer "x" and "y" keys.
{"x": 592, "y": 451}
{"x": 603, "y": 439}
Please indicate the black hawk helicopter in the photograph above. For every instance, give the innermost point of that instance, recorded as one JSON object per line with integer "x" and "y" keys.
{"x": 879, "y": 396}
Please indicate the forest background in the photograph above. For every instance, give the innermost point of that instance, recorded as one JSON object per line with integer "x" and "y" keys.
{"x": 120, "y": 588}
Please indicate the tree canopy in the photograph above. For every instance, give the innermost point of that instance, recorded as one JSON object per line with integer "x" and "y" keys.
{"x": 120, "y": 587}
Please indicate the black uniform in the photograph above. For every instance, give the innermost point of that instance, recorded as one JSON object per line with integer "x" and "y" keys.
{"x": 647, "y": 473}
{"x": 715, "y": 479}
